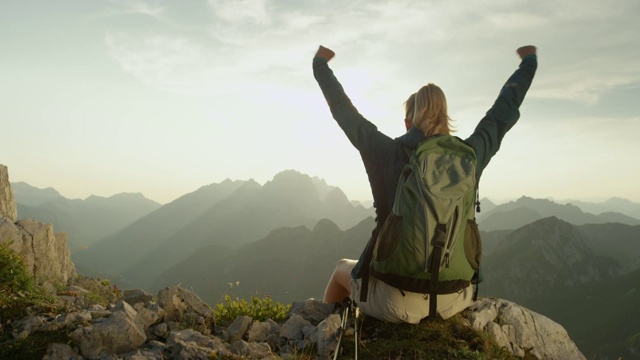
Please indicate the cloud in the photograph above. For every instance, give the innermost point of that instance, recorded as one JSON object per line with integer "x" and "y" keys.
{"x": 393, "y": 41}
{"x": 151, "y": 8}
{"x": 234, "y": 11}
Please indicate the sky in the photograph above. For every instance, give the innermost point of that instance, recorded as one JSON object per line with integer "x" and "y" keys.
{"x": 163, "y": 97}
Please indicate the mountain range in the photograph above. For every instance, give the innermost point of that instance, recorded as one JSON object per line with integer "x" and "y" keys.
{"x": 585, "y": 277}
{"x": 284, "y": 238}
{"x": 86, "y": 221}
{"x": 229, "y": 214}
{"x": 526, "y": 210}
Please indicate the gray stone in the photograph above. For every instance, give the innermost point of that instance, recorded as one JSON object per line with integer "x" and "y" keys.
{"x": 153, "y": 354}
{"x": 26, "y": 326}
{"x": 45, "y": 253}
{"x": 327, "y": 336}
{"x": 292, "y": 329}
{"x": 57, "y": 351}
{"x": 8, "y": 208}
{"x": 135, "y": 296}
{"x": 161, "y": 330}
{"x": 149, "y": 312}
{"x": 519, "y": 329}
{"x": 177, "y": 301}
{"x": 238, "y": 328}
{"x": 69, "y": 321}
{"x": 250, "y": 350}
{"x": 258, "y": 331}
{"x": 120, "y": 333}
{"x": 312, "y": 310}
{"x": 190, "y": 344}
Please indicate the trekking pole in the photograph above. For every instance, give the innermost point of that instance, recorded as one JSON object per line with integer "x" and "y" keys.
{"x": 356, "y": 316}
{"x": 343, "y": 328}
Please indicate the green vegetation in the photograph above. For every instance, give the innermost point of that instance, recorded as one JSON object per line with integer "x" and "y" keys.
{"x": 259, "y": 309}
{"x": 17, "y": 293}
{"x": 440, "y": 339}
{"x": 17, "y": 287}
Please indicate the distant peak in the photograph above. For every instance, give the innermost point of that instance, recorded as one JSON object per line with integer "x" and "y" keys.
{"x": 326, "y": 226}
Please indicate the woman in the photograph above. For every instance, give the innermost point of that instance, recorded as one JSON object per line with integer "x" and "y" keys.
{"x": 425, "y": 115}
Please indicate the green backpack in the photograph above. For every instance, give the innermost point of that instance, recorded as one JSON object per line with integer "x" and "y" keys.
{"x": 431, "y": 232}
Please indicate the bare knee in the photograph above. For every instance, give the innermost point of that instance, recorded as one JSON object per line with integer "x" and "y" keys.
{"x": 345, "y": 265}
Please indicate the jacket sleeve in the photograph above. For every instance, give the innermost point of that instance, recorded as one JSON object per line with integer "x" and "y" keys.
{"x": 504, "y": 113}
{"x": 363, "y": 134}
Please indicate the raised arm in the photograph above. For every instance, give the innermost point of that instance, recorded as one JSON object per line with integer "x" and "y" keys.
{"x": 504, "y": 113}
{"x": 362, "y": 133}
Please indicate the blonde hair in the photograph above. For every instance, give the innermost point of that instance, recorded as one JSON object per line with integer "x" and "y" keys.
{"x": 430, "y": 112}
{"x": 410, "y": 107}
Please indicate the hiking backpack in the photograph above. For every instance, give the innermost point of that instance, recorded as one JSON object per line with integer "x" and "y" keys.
{"x": 431, "y": 232}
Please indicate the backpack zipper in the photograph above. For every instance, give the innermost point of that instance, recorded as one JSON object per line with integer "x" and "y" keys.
{"x": 452, "y": 233}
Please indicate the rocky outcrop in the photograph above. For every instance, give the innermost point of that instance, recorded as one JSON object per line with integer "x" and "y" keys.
{"x": 7, "y": 202}
{"x": 45, "y": 253}
{"x": 142, "y": 326}
{"x": 522, "y": 331}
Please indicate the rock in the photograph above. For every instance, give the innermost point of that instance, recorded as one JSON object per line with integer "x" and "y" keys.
{"x": 26, "y": 326}
{"x": 45, "y": 253}
{"x": 190, "y": 344}
{"x": 136, "y": 296}
{"x": 238, "y": 328}
{"x": 327, "y": 336}
{"x": 250, "y": 350}
{"x": 519, "y": 329}
{"x": 68, "y": 321}
{"x": 292, "y": 329}
{"x": 57, "y": 351}
{"x": 312, "y": 310}
{"x": 150, "y": 313}
{"x": 161, "y": 330}
{"x": 120, "y": 333}
{"x": 259, "y": 331}
{"x": 177, "y": 301}
{"x": 8, "y": 208}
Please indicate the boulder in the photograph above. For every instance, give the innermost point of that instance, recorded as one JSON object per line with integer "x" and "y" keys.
{"x": 520, "y": 330}
{"x": 120, "y": 333}
{"x": 177, "y": 301}
{"x": 8, "y": 208}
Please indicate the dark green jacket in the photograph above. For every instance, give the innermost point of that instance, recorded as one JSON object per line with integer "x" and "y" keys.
{"x": 384, "y": 157}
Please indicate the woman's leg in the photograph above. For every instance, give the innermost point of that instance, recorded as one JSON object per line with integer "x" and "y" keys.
{"x": 339, "y": 286}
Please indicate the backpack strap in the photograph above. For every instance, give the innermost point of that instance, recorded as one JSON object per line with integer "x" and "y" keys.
{"x": 438, "y": 248}
{"x": 364, "y": 272}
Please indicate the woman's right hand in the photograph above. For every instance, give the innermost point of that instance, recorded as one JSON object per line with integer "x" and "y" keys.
{"x": 526, "y": 50}
{"x": 325, "y": 53}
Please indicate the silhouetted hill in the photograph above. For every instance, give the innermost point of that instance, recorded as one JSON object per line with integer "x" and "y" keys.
{"x": 289, "y": 200}
{"x": 33, "y": 196}
{"x": 486, "y": 206}
{"x": 289, "y": 263}
{"x": 538, "y": 259}
{"x": 617, "y": 241}
{"x": 526, "y": 210}
{"x": 85, "y": 221}
{"x": 614, "y": 204}
{"x": 602, "y": 317}
{"x": 508, "y": 219}
{"x": 491, "y": 240}
{"x": 238, "y": 215}
{"x": 111, "y": 255}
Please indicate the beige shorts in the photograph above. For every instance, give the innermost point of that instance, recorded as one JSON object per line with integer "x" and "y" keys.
{"x": 387, "y": 303}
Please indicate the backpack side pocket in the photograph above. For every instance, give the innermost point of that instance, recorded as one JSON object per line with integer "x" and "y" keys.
{"x": 473, "y": 244}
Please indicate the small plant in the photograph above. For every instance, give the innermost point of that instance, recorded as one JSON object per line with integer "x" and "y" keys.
{"x": 14, "y": 277}
{"x": 258, "y": 308}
